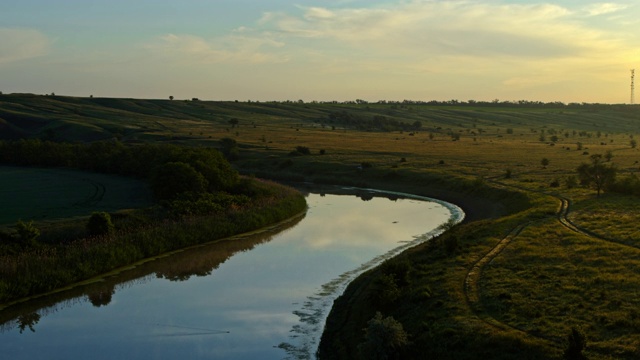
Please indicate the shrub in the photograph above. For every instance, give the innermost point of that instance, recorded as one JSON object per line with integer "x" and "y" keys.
{"x": 385, "y": 290}
{"x": 576, "y": 342}
{"x": 100, "y": 224}
{"x": 174, "y": 178}
{"x": 384, "y": 338}
{"x": 450, "y": 244}
{"x": 571, "y": 182}
{"x": 303, "y": 150}
{"x": 27, "y": 233}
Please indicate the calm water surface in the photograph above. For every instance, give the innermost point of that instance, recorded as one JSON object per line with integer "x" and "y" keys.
{"x": 264, "y": 296}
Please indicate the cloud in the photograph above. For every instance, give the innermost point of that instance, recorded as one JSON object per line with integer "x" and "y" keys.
{"x": 234, "y": 48}
{"x": 410, "y": 31}
{"x": 604, "y": 8}
{"x": 22, "y": 44}
{"x": 437, "y": 28}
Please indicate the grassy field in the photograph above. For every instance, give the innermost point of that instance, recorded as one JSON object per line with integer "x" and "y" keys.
{"x": 50, "y": 194}
{"x": 552, "y": 272}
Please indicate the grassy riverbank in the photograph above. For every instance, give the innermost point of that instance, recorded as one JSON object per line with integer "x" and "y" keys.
{"x": 47, "y": 267}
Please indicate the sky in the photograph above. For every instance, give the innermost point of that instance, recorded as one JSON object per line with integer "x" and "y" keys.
{"x": 312, "y": 50}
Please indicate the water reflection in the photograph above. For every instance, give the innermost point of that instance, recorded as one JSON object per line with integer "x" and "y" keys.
{"x": 236, "y": 299}
{"x": 178, "y": 266}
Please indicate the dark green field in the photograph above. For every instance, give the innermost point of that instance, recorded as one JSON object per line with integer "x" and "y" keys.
{"x": 50, "y": 194}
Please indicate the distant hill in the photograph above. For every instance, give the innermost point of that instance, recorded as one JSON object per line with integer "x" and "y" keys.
{"x": 76, "y": 119}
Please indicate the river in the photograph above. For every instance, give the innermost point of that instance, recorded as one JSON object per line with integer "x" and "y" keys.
{"x": 257, "y": 296}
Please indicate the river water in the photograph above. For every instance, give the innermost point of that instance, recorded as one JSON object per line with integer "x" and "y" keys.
{"x": 257, "y": 296}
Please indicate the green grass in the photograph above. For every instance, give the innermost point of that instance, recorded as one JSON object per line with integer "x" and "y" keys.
{"x": 49, "y": 194}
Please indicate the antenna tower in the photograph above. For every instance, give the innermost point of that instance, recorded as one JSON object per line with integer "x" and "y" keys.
{"x": 633, "y": 76}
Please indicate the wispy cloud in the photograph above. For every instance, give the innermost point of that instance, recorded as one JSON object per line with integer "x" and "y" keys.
{"x": 235, "y": 48}
{"x": 415, "y": 30}
{"x": 446, "y": 28}
{"x": 513, "y": 46}
{"x": 21, "y": 44}
{"x": 604, "y": 8}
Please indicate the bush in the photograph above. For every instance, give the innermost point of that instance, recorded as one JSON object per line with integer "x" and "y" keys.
{"x": 450, "y": 244}
{"x": 303, "y": 150}
{"x": 27, "y": 233}
{"x": 385, "y": 290}
{"x": 384, "y": 338}
{"x": 100, "y": 224}
{"x": 571, "y": 182}
{"x": 173, "y": 178}
{"x": 576, "y": 342}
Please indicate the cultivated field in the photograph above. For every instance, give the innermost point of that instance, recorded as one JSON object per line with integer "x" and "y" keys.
{"x": 50, "y": 194}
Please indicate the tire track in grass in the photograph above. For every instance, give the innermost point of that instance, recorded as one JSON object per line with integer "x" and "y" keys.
{"x": 471, "y": 288}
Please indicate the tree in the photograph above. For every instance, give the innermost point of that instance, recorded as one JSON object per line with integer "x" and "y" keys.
{"x": 234, "y": 122}
{"x": 100, "y": 224}
{"x": 633, "y": 143}
{"x": 384, "y": 338}
{"x": 597, "y": 174}
{"x": 174, "y": 178}
{"x": 171, "y": 97}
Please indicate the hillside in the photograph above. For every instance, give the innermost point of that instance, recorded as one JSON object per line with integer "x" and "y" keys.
{"x": 87, "y": 119}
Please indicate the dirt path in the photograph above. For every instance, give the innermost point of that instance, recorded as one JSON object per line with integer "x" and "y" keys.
{"x": 474, "y": 274}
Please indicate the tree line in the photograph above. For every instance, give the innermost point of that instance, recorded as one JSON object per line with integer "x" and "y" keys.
{"x": 170, "y": 169}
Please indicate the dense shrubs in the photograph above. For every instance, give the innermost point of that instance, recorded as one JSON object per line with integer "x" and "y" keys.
{"x": 111, "y": 157}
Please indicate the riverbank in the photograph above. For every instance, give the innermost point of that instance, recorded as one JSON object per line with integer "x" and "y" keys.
{"x": 420, "y": 288}
{"x": 48, "y": 267}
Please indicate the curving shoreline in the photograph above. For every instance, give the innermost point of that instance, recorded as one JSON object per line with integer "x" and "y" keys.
{"x": 346, "y": 314}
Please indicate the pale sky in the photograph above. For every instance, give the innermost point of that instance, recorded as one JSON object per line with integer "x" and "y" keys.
{"x": 568, "y": 50}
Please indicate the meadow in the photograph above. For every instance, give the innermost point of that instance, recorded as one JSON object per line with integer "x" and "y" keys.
{"x": 566, "y": 259}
